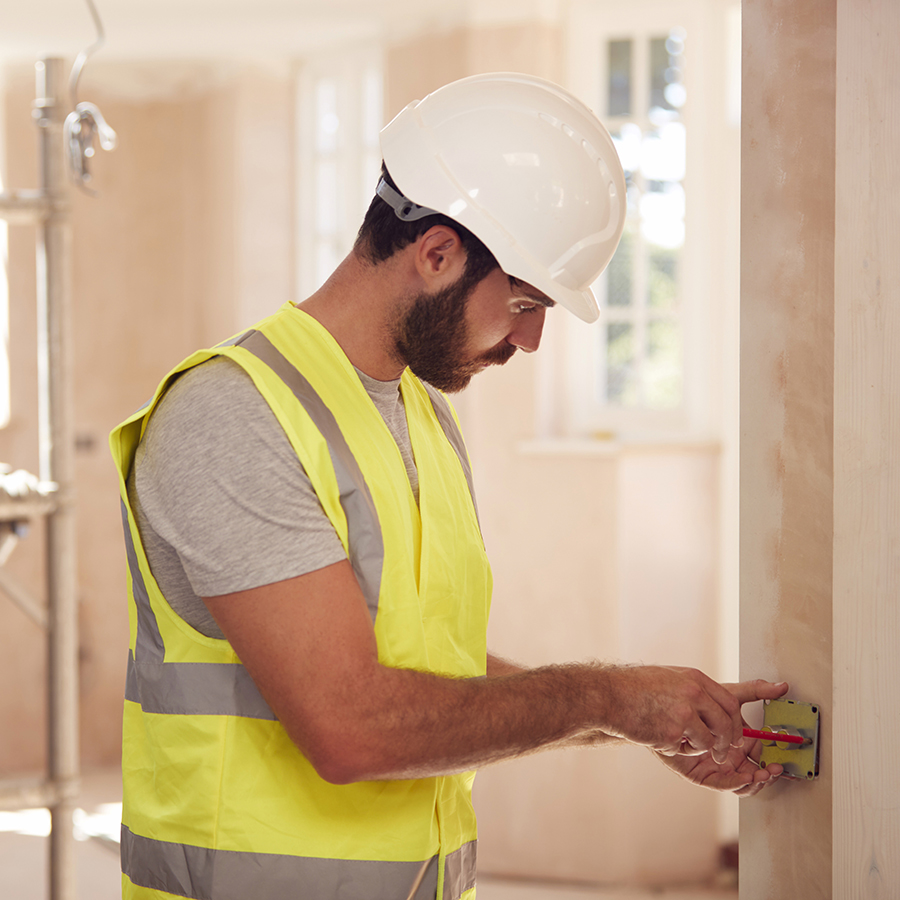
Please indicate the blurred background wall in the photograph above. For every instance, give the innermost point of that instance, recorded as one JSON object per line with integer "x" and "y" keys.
{"x": 606, "y": 464}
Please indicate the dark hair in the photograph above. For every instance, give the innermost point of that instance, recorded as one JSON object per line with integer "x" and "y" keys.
{"x": 382, "y": 234}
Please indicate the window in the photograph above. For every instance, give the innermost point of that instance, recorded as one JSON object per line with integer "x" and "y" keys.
{"x": 640, "y": 340}
{"x": 340, "y": 116}
{"x": 657, "y": 74}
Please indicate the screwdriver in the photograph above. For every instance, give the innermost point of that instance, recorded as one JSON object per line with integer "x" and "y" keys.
{"x": 776, "y": 736}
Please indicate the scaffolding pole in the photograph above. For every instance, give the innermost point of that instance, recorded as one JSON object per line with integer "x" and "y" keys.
{"x": 48, "y": 207}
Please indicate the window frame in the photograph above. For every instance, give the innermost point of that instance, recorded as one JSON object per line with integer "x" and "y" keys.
{"x": 710, "y": 253}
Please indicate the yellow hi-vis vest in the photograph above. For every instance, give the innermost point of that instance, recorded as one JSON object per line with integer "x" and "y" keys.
{"x": 219, "y": 804}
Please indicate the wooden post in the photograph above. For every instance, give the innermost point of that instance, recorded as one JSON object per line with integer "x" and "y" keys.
{"x": 866, "y": 801}
{"x": 820, "y": 432}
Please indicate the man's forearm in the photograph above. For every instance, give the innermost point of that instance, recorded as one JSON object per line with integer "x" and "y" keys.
{"x": 412, "y": 724}
{"x": 316, "y": 663}
{"x": 497, "y": 667}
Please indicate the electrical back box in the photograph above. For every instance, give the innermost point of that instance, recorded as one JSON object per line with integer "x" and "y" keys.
{"x": 792, "y": 717}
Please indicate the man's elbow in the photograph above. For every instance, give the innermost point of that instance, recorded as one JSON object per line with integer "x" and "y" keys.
{"x": 341, "y": 758}
{"x": 338, "y": 769}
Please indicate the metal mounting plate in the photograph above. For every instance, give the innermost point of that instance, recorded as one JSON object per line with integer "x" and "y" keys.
{"x": 792, "y": 717}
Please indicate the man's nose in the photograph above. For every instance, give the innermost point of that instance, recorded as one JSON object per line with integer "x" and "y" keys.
{"x": 526, "y": 333}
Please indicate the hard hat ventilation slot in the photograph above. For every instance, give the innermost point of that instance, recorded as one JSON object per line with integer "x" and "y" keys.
{"x": 403, "y": 207}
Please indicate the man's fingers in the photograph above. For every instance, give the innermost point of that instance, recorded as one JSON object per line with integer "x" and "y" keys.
{"x": 729, "y": 703}
{"x": 682, "y": 712}
{"x": 751, "y": 691}
{"x": 722, "y": 714}
{"x": 714, "y": 717}
{"x": 758, "y": 689}
{"x": 706, "y": 733}
{"x": 695, "y": 741}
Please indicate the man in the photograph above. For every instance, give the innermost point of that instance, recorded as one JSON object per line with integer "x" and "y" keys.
{"x": 309, "y": 688}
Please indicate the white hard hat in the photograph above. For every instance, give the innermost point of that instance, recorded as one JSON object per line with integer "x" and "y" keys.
{"x": 523, "y": 165}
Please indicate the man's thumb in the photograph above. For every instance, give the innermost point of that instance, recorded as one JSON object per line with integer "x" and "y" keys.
{"x": 758, "y": 689}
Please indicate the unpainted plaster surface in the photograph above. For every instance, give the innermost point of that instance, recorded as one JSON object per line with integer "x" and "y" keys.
{"x": 787, "y": 344}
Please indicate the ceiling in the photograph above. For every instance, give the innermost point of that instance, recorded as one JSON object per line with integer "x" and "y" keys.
{"x": 203, "y": 29}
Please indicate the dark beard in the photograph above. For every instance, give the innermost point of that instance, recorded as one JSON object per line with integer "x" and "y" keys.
{"x": 431, "y": 339}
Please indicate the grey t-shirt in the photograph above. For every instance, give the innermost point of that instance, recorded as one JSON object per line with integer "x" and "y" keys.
{"x": 222, "y": 502}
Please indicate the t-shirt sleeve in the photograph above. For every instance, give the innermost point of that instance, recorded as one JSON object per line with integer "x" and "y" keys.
{"x": 219, "y": 481}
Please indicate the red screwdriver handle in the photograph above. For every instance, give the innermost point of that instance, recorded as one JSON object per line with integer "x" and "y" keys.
{"x": 775, "y": 736}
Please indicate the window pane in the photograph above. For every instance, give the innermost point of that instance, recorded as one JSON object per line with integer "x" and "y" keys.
{"x": 662, "y": 214}
{"x": 667, "y": 92}
{"x": 664, "y": 153}
{"x": 642, "y": 354}
{"x": 627, "y": 141}
{"x": 621, "y": 381}
{"x": 619, "y": 277}
{"x": 662, "y": 283}
{"x": 619, "y": 78}
{"x": 662, "y": 366}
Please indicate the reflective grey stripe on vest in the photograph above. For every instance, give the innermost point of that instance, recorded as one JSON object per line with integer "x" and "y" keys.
{"x": 364, "y": 530}
{"x": 233, "y": 341}
{"x": 204, "y": 874}
{"x": 181, "y": 689}
{"x": 195, "y": 689}
{"x": 149, "y": 645}
{"x": 454, "y": 436}
{"x": 459, "y": 871}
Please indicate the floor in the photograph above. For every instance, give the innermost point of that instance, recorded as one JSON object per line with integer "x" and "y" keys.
{"x": 23, "y": 858}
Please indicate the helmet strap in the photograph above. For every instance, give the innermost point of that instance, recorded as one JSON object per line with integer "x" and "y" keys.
{"x": 403, "y": 207}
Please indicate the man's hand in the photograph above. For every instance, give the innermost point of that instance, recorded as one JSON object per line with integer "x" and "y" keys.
{"x": 674, "y": 711}
{"x": 740, "y": 773}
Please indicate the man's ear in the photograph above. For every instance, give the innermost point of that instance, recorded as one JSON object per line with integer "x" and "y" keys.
{"x": 440, "y": 257}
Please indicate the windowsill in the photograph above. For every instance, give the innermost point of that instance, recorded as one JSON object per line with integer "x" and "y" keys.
{"x": 618, "y": 445}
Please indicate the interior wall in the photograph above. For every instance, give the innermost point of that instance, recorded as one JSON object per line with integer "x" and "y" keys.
{"x": 153, "y": 264}
{"x": 608, "y": 555}
{"x": 417, "y": 66}
{"x": 787, "y": 415}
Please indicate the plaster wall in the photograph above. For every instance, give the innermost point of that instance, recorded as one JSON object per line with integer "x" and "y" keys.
{"x": 420, "y": 65}
{"x": 787, "y": 343}
{"x": 607, "y": 555}
{"x": 160, "y": 260}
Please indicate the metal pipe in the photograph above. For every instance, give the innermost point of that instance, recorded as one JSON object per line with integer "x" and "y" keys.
{"x": 55, "y": 438}
{"x": 26, "y": 793}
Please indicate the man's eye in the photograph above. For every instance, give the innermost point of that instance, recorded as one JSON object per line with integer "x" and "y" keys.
{"x": 526, "y": 307}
